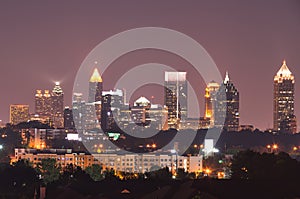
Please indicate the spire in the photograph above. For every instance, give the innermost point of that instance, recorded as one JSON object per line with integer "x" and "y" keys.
{"x": 96, "y": 76}
{"x": 226, "y": 80}
{"x": 284, "y": 70}
{"x": 57, "y": 89}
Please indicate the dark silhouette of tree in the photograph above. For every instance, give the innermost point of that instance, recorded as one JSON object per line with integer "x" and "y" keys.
{"x": 95, "y": 172}
{"x": 18, "y": 180}
{"x": 267, "y": 166}
{"x": 49, "y": 170}
{"x": 161, "y": 174}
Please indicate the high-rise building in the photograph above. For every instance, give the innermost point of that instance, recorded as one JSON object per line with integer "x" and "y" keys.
{"x": 210, "y": 101}
{"x": 18, "y": 113}
{"x": 283, "y": 113}
{"x": 78, "y": 110}
{"x": 140, "y": 111}
{"x": 95, "y": 95}
{"x": 43, "y": 103}
{"x": 57, "y": 106}
{"x": 68, "y": 119}
{"x": 227, "y": 106}
{"x": 95, "y": 87}
{"x": 176, "y": 97}
{"x": 112, "y": 104}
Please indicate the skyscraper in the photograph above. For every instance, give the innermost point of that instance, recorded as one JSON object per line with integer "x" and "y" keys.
{"x": 95, "y": 93}
{"x": 57, "y": 106}
{"x": 283, "y": 113}
{"x": 43, "y": 103}
{"x": 227, "y": 106}
{"x": 68, "y": 119}
{"x": 176, "y": 97}
{"x": 210, "y": 101}
{"x": 112, "y": 104}
{"x": 78, "y": 110}
{"x": 18, "y": 113}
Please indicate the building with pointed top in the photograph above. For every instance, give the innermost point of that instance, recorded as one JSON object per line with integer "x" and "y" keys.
{"x": 227, "y": 106}
{"x": 284, "y": 119}
{"x": 95, "y": 87}
{"x": 93, "y": 106}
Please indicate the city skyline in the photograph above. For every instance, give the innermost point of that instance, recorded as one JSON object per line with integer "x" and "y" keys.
{"x": 174, "y": 82}
{"x": 256, "y": 53}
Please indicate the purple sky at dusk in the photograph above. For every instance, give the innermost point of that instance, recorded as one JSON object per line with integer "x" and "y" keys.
{"x": 46, "y": 41}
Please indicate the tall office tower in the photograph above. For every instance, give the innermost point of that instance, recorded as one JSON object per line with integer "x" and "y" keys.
{"x": 18, "y": 113}
{"x": 43, "y": 103}
{"x": 78, "y": 112}
{"x": 47, "y": 103}
{"x": 95, "y": 92}
{"x": 284, "y": 118}
{"x": 68, "y": 119}
{"x": 227, "y": 106}
{"x": 39, "y": 102}
{"x": 111, "y": 115}
{"x": 210, "y": 101}
{"x": 176, "y": 97}
{"x": 57, "y": 106}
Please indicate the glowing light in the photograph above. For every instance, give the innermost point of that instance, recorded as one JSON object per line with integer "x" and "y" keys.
{"x": 268, "y": 146}
{"x": 207, "y": 171}
{"x": 96, "y": 76}
{"x": 295, "y": 148}
{"x": 57, "y": 83}
{"x": 275, "y": 146}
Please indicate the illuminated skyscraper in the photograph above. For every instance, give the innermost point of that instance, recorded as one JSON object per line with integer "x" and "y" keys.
{"x": 284, "y": 118}
{"x": 18, "y": 113}
{"x": 112, "y": 104}
{"x": 78, "y": 110}
{"x": 43, "y": 103}
{"x": 57, "y": 106}
{"x": 176, "y": 97}
{"x": 210, "y": 101}
{"x": 95, "y": 87}
{"x": 227, "y": 106}
{"x": 95, "y": 93}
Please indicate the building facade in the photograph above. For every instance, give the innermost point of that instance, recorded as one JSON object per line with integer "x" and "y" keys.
{"x": 227, "y": 106}
{"x": 68, "y": 119}
{"x": 63, "y": 157}
{"x": 57, "y": 106}
{"x": 18, "y": 113}
{"x": 176, "y": 97}
{"x": 210, "y": 101}
{"x": 284, "y": 119}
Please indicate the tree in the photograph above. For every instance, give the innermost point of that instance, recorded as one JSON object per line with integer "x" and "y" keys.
{"x": 95, "y": 172}
{"x": 253, "y": 165}
{"x": 49, "y": 170}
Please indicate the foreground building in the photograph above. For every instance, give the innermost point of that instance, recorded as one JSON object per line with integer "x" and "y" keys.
{"x": 133, "y": 163}
{"x": 63, "y": 157}
{"x": 284, "y": 119}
